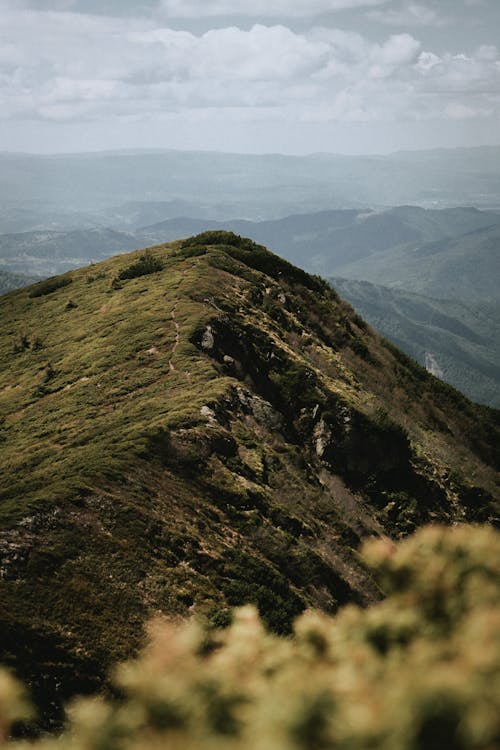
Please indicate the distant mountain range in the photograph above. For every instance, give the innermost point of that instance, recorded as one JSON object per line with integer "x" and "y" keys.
{"x": 83, "y": 190}
{"x": 455, "y": 246}
{"x": 465, "y": 267}
{"x": 326, "y": 242}
{"x": 45, "y": 253}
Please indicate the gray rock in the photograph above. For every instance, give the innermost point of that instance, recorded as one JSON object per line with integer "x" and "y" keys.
{"x": 322, "y": 436}
{"x": 262, "y": 411}
{"x": 208, "y": 340}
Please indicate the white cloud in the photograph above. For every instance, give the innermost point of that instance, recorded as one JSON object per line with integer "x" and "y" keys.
{"x": 487, "y": 52}
{"x": 260, "y": 8}
{"x": 399, "y": 49}
{"x": 407, "y": 16}
{"x": 477, "y": 74}
{"x": 427, "y": 61}
{"x": 457, "y": 111}
{"x": 262, "y": 53}
{"x": 72, "y": 67}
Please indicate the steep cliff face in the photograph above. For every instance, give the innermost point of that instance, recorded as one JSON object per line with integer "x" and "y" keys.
{"x": 201, "y": 426}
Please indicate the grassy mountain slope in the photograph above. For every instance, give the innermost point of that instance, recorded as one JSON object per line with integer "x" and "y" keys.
{"x": 200, "y": 427}
{"x": 463, "y": 339}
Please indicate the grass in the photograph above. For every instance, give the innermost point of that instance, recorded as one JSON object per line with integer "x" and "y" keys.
{"x": 101, "y": 364}
{"x": 122, "y": 498}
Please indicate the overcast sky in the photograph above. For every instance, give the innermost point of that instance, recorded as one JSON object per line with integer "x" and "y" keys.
{"x": 290, "y": 76}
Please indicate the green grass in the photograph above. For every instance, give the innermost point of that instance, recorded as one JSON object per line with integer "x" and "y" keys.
{"x": 122, "y": 496}
{"x": 99, "y": 355}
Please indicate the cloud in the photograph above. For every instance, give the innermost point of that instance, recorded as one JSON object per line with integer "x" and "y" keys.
{"x": 399, "y": 49}
{"x": 261, "y": 53}
{"x": 477, "y": 74}
{"x": 71, "y": 67}
{"x": 407, "y": 16}
{"x": 259, "y": 8}
{"x": 457, "y": 111}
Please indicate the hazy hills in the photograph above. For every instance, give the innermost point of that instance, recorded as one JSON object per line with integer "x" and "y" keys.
{"x": 10, "y": 281}
{"x": 326, "y": 242}
{"x": 199, "y": 427}
{"x": 49, "y": 252}
{"x": 364, "y": 242}
{"x": 465, "y": 267}
{"x": 72, "y": 191}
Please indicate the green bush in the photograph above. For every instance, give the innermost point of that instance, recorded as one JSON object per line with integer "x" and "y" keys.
{"x": 49, "y": 285}
{"x": 248, "y": 580}
{"x": 359, "y": 347}
{"x": 221, "y": 237}
{"x": 146, "y": 264}
{"x": 257, "y": 257}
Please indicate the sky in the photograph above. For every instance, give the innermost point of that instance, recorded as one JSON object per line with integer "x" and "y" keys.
{"x": 250, "y": 76}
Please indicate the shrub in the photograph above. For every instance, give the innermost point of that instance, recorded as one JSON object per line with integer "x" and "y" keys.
{"x": 257, "y": 257}
{"x": 49, "y": 285}
{"x": 27, "y": 343}
{"x": 360, "y": 348}
{"x": 146, "y": 264}
{"x": 221, "y": 237}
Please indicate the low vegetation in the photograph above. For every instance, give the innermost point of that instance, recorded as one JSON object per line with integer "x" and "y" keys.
{"x": 146, "y": 264}
{"x": 49, "y": 286}
{"x": 418, "y": 671}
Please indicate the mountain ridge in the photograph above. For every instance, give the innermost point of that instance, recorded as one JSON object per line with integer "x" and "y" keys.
{"x": 406, "y": 249}
{"x": 198, "y": 426}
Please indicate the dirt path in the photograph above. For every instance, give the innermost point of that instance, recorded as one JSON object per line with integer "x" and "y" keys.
{"x": 177, "y": 327}
{"x": 177, "y": 338}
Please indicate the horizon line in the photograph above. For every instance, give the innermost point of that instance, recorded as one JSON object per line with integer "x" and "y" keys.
{"x": 312, "y": 154}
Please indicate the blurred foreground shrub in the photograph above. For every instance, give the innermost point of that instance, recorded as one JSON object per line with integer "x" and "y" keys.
{"x": 419, "y": 671}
